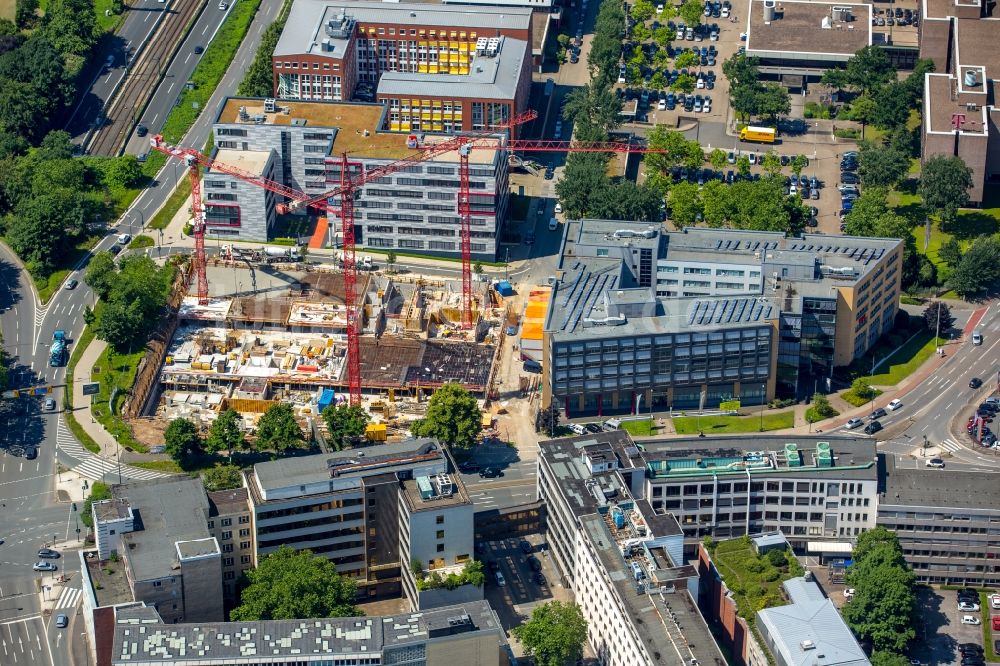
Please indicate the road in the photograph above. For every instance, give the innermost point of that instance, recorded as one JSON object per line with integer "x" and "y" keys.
{"x": 168, "y": 92}
{"x": 143, "y": 17}
{"x": 937, "y": 409}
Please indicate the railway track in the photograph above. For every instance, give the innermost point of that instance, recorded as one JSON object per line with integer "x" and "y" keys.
{"x": 140, "y": 82}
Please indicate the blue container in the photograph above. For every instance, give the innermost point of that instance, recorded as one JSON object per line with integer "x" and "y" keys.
{"x": 325, "y": 399}
{"x": 505, "y": 288}
{"x": 619, "y": 517}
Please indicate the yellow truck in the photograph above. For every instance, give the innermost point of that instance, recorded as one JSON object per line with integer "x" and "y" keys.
{"x": 760, "y": 134}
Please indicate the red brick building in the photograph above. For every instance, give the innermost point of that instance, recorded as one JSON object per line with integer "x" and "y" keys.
{"x": 439, "y": 68}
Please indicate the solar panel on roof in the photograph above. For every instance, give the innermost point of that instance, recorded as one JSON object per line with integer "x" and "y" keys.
{"x": 755, "y": 315}
{"x": 880, "y": 253}
{"x": 718, "y": 244}
{"x": 756, "y": 245}
{"x": 730, "y": 308}
{"x": 767, "y": 312}
{"x": 743, "y": 306}
{"x": 709, "y": 313}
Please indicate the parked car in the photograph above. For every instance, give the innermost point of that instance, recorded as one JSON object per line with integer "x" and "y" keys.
{"x": 849, "y": 593}
{"x": 534, "y": 564}
{"x": 971, "y": 619}
{"x": 968, "y": 607}
{"x": 539, "y": 578}
{"x": 140, "y": 130}
{"x": 44, "y": 566}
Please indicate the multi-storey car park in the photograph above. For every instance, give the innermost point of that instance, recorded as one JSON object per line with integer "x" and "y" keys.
{"x": 301, "y": 145}
{"x": 639, "y": 318}
{"x": 438, "y": 68}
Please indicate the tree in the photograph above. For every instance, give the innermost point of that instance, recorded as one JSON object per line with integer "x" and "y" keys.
{"x": 717, "y": 158}
{"x": 595, "y": 105}
{"x": 691, "y": 11}
{"x": 658, "y": 81}
{"x": 685, "y": 203}
{"x": 799, "y": 163}
{"x": 870, "y": 68}
{"x": 741, "y": 70}
{"x": 121, "y": 173}
{"x": 225, "y": 433}
{"x": 99, "y": 491}
{"x": 24, "y": 14}
{"x": 453, "y": 416}
{"x": 663, "y": 36}
{"x": 886, "y": 658}
{"x": 70, "y": 26}
{"x": 862, "y": 389}
{"x": 344, "y": 423}
{"x": 390, "y": 259}
{"x": 881, "y": 166}
{"x": 278, "y": 429}
{"x": 555, "y": 634}
{"x": 45, "y": 226}
{"x": 863, "y": 109}
{"x": 938, "y": 317}
{"x": 685, "y": 60}
{"x": 743, "y": 165}
{"x": 606, "y": 47}
{"x": 870, "y": 539}
{"x": 627, "y": 201}
{"x": 892, "y": 105}
{"x": 979, "y": 268}
{"x": 641, "y": 11}
{"x": 685, "y": 83}
{"x": 134, "y": 301}
{"x": 835, "y": 78}
{"x": 295, "y": 584}
{"x": 944, "y": 185}
{"x": 182, "y": 441}
{"x": 477, "y": 268}
{"x": 950, "y": 252}
{"x": 547, "y": 419}
{"x": 222, "y": 477}
{"x": 770, "y": 163}
{"x": 120, "y": 323}
{"x": 821, "y": 409}
{"x": 100, "y": 273}
{"x": 258, "y": 80}
{"x": 673, "y": 142}
{"x": 585, "y": 175}
{"x": 772, "y": 100}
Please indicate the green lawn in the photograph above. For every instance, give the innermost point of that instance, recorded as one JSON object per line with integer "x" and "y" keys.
{"x": 856, "y": 400}
{"x": 689, "y": 425}
{"x": 754, "y": 581}
{"x": 113, "y": 369}
{"x": 171, "y": 206}
{"x": 48, "y": 286}
{"x": 79, "y": 345}
{"x": 905, "y": 361}
{"x": 642, "y": 428}
{"x": 7, "y": 9}
{"x": 168, "y": 466}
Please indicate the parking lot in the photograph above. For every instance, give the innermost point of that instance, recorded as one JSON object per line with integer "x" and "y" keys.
{"x": 940, "y": 629}
{"x": 523, "y": 588}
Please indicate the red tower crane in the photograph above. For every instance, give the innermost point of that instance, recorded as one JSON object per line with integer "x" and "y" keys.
{"x": 352, "y": 176}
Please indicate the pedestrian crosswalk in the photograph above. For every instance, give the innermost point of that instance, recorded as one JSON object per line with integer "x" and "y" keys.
{"x": 69, "y": 598}
{"x": 951, "y": 445}
{"x": 94, "y": 467}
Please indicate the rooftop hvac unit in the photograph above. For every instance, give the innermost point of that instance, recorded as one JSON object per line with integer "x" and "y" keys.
{"x": 443, "y": 484}
{"x": 244, "y": 116}
{"x": 840, "y": 13}
{"x": 971, "y": 80}
{"x": 269, "y": 106}
{"x": 769, "y": 10}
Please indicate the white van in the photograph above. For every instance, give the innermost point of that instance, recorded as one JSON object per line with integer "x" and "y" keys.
{"x": 123, "y": 239}
{"x": 553, "y": 224}
{"x": 977, "y": 336}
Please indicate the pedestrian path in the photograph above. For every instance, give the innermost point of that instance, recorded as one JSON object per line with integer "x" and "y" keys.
{"x": 95, "y": 467}
{"x": 69, "y": 598}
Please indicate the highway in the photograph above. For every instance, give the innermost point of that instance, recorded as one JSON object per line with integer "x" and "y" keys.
{"x": 119, "y": 116}
{"x": 143, "y": 17}
{"x": 178, "y": 72}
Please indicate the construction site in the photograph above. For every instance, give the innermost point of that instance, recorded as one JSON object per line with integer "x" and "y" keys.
{"x": 278, "y": 333}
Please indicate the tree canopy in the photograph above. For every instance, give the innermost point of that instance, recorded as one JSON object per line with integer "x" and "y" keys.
{"x": 345, "y": 422}
{"x": 881, "y": 166}
{"x": 135, "y": 296}
{"x": 182, "y": 442}
{"x": 554, "y": 635}
{"x": 881, "y": 611}
{"x": 278, "y": 430}
{"x": 225, "y": 433}
{"x": 295, "y": 584}
{"x": 748, "y": 95}
{"x": 937, "y": 316}
{"x": 944, "y": 185}
{"x": 979, "y": 269}
{"x": 453, "y": 416}
{"x": 223, "y": 476}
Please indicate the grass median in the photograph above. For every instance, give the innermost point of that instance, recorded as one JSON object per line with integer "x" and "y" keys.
{"x": 112, "y": 370}
{"x": 692, "y": 425}
{"x": 79, "y": 346}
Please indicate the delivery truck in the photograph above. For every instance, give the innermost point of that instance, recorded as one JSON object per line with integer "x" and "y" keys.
{"x": 759, "y": 134}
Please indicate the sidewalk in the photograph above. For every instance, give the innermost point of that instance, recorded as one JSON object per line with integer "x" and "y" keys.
{"x": 81, "y": 402}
